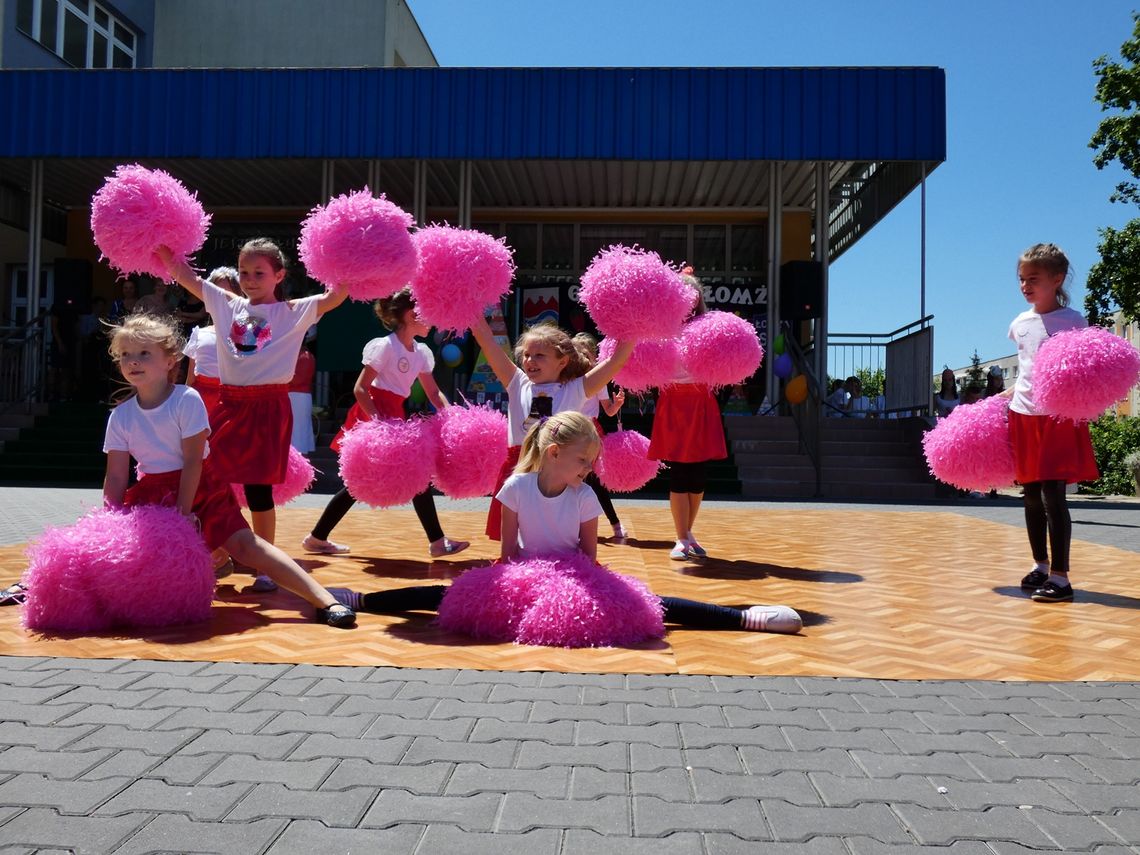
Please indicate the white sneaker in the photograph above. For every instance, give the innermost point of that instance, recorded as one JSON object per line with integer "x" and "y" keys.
{"x": 444, "y": 547}
{"x": 772, "y": 619}
{"x": 323, "y": 547}
{"x": 679, "y": 552}
{"x": 619, "y": 533}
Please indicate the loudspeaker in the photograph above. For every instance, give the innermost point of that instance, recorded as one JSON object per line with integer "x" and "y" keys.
{"x": 73, "y": 283}
{"x": 801, "y": 290}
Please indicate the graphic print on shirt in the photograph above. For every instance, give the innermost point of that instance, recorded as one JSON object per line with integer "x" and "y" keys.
{"x": 403, "y": 365}
{"x": 541, "y": 407}
{"x": 249, "y": 333}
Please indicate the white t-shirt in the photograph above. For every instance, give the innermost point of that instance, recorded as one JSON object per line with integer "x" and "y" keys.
{"x": 397, "y": 367}
{"x": 202, "y": 347}
{"x": 548, "y": 525}
{"x": 528, "y": 402}
{"x": 860, "y": 407}
{"x": 257, "y": 345}
{"x": 593, "y": 405}
{"x": 154, "y": 437}
{"x": 1028, "y": 331}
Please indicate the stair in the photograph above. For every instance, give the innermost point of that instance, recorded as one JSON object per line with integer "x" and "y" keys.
{"x": 57, "y": 444}
{"x": 723, "y": 479}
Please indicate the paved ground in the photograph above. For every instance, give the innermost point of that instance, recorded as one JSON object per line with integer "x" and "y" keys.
{"x": 132, "y": 756}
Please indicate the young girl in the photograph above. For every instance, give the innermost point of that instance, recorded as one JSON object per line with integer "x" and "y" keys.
{"x": 555, "y": 376}
{"x": 164, "y": 427}
{"x": 1048, "y": 452}
{"x": 687, "y": 433}
{"x": 392, "y": 364}
{"x": 612, "y": 404}
{"x": 547, "y": 511}
{"x": 201, "y": 348}
{"x": 260, "y": 336}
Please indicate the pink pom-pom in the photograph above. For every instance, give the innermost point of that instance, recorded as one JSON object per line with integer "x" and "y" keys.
{"x": 564, "y": 601}
{"x": 462, "y": 271}
{"x": 359, "y": 241}
{"x": 143, "y": 567}
{"x": 471, "y": 450}
{"x": 299, "y": 477}
{"x": 970, "y": 448}
{"x": 137, "y": 210}
{"x": 652, "y": 364}
{"x": 632, "y": 294}
{"x": 387, "y": 462}
{"x": 1078, "y": 374}
{"x": 720, "y": 349}
{"x": 624, "y": 465}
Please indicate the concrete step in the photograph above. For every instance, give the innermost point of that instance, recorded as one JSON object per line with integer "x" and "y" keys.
{"x": 860, "y": 490}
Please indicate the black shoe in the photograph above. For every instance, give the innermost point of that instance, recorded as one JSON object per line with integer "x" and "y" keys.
{"x": 1051, "y": 592}
{"x": 338, "y": 615}
{"x": 1034, "y": 580}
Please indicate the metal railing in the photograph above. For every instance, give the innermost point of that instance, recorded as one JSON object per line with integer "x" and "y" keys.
{"x": 23, "y": 364}
{"x": 848, "y": 354}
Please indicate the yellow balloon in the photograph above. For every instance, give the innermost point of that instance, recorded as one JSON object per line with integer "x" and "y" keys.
{"x": 797, "y": 390}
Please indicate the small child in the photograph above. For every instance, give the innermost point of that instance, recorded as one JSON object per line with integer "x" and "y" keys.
{"x": 392, "y": 364}
{"x": 201, "y": 348}
{"x": 549, "y": 511}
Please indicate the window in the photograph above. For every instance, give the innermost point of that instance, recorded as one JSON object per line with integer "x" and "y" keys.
{"x": 81, "y": 32}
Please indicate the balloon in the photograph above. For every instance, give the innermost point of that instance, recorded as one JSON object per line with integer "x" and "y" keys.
{"x": 797, "y": 390}
{"x": 783, "y": 366}
{"x": 778, "y": 345}
{"x": 418, "y": 395}
{"x": 451, "y": 354}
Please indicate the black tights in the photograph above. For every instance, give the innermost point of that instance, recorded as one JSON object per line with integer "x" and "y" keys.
{"x": 259, "y": 497}
{"x": 339, "y": 505}
{"x": 603, "y": 497}
{"x": 1047, "y": 513}
{"x": 426, "y": 598}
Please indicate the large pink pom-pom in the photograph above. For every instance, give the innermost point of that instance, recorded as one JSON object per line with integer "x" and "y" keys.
{"x": 359, "y": 241}
{"x": 299, "y": 477}
{"x": 1078, "y": 374}
{"x": 970, "y": 448}
{"x": 632, "y": 294}
{"x": 387, "y": 462}
{"x": 137, "y": 210}
{"x": 624, "y": 465}
{"x": 652, "y": 364}
{"x": 462, "y": 271}
{"x": 564, "y": 601}
{"x": 719, "y": 349}
{"x": 143, "y": 567}
{"x": 471, "y": 450}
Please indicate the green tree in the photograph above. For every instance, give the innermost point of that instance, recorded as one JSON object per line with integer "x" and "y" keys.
{"x": 1114, "y": 281}
{"x": 871, "y": 381}
{"x": 975, "y": 376}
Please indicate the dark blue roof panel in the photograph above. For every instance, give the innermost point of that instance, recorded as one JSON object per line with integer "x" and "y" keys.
{"x": 676, "y": 114}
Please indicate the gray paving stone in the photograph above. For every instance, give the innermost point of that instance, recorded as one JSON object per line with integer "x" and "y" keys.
{"x": 791, "y": 822}
{"x": 936, "y": 763}
{"x": 43, "y": 737}
{"x": 747, "y": 717}
{"x": 554, "y": 678}
{"x": 1130, "y": 723}
{"x": 1005, "y": 689}
{"x": 471, "y": 813}
{"x": 304, "y": 704}
{"x": 646, "y": 757}
{"x": 901, "y": 720}
{"x": 1054, "y": 726}
{"x": 298, "y": 774}
{"x": 799, "y": 739}
{"x": 838, "y": 702}
{"x": 41, "y": 829}
{"x": 25, "y": 663}
{"x": 300, "y": 685}
{"x": 760, "y": 761}
{"x": 157, "y": 742}
{"x": 426, "y": 779}
{"x": 97, "y": 679}
{"x": 39, "y": 714}
{"x": 44, "y": 694}
{"x": 723, "y": 758}
{"x": 71, "y": 797}
{"x": 728, "y": 685}
{"x": 1112, "y": 770}
{"x": 264, "y": 746}
{"x": 341, "y": 808}
{"x": 866, "y": 846}
{"x": 727, "y": 844}
{"x": 606, "y": 814}
{"x": 647, "y": 714}
{"x": 428, "y": 749}
{"x": 605, "y": 713}
{"x": 252, "y": 669}
{"x": 12, "y": 677}
{"x": 587, "y": 783}
{"x": 198, "y": 682}
{"x": 1081, "y": 708}
{"x": 1100, "y": 798}
{"x": 448, "y": 838}
{"x": 847, "y": 792}
{"x": 186, "y": 771}
{"x": 597, "y": 733}
{"x": 553, "y": 782}
{"x": 343, "y": 688}
{"x": 888, "y": 703}
{"x": 668, "y": 785}
{"x": 942, "y": 827}
{"x": 305, "y": 837}
{"x": 508, "y": 711}
{"x": 440, "y": 676}
{"x": 66, "y": 662}
{"x": 117, "y": 698}
{"x": 522, "y": 679}
{"x": 1073, "y": 832}
{"x": 657, "y": 697}
{"x": 749, "y": 699}
{"x": 173, "y": 833}
{"x": 1050, "y": 766}
{"x": 712, "y": 785}
{"x": 293, "y": 722}
{"x": 137, "y": 719}
{"x": 537, "y": 755}
{"x": 579, "y": 841}
{"x": 505, "y": 692}
{"x": 127, "y": 763}
{"x": 654, "y": 817}
{"x": 470, "y": 692}
{"x": 374, "y": 750}
{"x": 351, "y": 673}
{"x": 60, "y": 765}
{"x": 1096, "y": 691}
{"x": 995, "y": 706}
{"x": 1039, "y": 746}
{"x": 237, "y": 722}
{"x": 939, "y": 688}
{"x": 151, "y": 796}
{"x": 212, "y": 701}
{"x": 413, "y": 708}
{"x": 692, "y": 682}
{"x": 554, "y": 732}
{"x": 699, "y": 736}
{"x": 927, "y": 743}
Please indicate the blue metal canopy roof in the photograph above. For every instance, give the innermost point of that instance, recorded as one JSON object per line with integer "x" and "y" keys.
{"x": 646, "y": 114}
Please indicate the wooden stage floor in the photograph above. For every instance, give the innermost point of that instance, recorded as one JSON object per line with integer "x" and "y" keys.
{"x": 887, "y": 595}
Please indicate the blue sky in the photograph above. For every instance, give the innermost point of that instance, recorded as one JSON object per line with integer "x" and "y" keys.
{"x": 1020, "y": 113}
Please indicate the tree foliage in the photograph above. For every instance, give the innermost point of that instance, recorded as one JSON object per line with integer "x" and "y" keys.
{"x": 975, "y": 376}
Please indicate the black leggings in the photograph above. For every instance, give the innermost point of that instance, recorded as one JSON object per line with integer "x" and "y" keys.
{"x": 426, "y": 598}
{"x": 1047, "y": 512}
{"x": 259, "y": 497}
{"x": 687, "y": 477}
{"x": 339, "y": 505}
{"x": 603, "y": 497}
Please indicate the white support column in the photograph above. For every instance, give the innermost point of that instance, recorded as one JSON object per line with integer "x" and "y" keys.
{"x": 328, "y": 178}
{"x": 33, "y": 374}
{"x": 465, "y": 171}
{"x": 419, "y": 192}
{"x": 922, "y": 255}
{"x": 374, "y": 177}
{"x": 775, "y": 218}
{"x": 822, "y": 252}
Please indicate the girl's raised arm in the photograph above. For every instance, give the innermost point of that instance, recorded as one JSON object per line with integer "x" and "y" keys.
{"x": 604, "y": 371}
{"x": 500, "y": 363}
{"x": 331, "y": 299}
{"x": 180, "y": 272}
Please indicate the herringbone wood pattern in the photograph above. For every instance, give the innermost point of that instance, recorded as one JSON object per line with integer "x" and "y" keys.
{"x": 889, "y": 595}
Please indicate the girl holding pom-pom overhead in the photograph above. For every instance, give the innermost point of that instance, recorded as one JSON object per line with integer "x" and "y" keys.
{"x": 548, "y": 588}
{"x": 258, "y": 338}
{"x": 612, "y": 404}
{"x": 1048, "y": 452}
{"x": 392, "y": 364}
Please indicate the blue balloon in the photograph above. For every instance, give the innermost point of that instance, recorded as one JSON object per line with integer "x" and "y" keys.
{"x": 451, "y": 354}
{"x": 782, "y": 367}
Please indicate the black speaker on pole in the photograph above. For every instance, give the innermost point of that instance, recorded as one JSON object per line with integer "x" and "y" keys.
{"x": 801, "y": 290}
{"x": 73, "y": 283}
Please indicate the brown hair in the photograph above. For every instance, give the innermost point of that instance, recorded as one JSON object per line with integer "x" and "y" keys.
{"x": 226, "y": 277}
{"x": 562, "y": 429}
{"x": 271, "y": 252}
{"x": 699, "y": 308}
{"x": 146, "y": 329}
{"x": 1050, "y": 258}
{"x": 390, "y": 310}
{"x": 558, "y": 340}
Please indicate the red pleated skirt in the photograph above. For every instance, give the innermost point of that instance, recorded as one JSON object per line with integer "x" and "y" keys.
{"x": 1050, "y": 449}
{"x": 210, "y": 390}
{"x": 686, "y": 425}
{"x": 214, "y": 503}
{"x": 250, "y": 430}
{"x": 495, "y": 512}
{"x": 388, "y": 404}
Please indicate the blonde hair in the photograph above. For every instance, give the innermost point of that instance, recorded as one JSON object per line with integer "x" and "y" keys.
{"x": 226, "y": 277}
{"x": 558, "y": 340}
{"x": 562, "y": 429}
{"x": 1050, "y": 258}
{"x": 145, "y": 329}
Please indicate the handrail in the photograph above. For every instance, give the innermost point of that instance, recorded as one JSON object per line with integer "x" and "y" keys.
{"x": 12, "y": 333}
{"x": 21, "y": 379}
{"x": 921, "y": 322}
